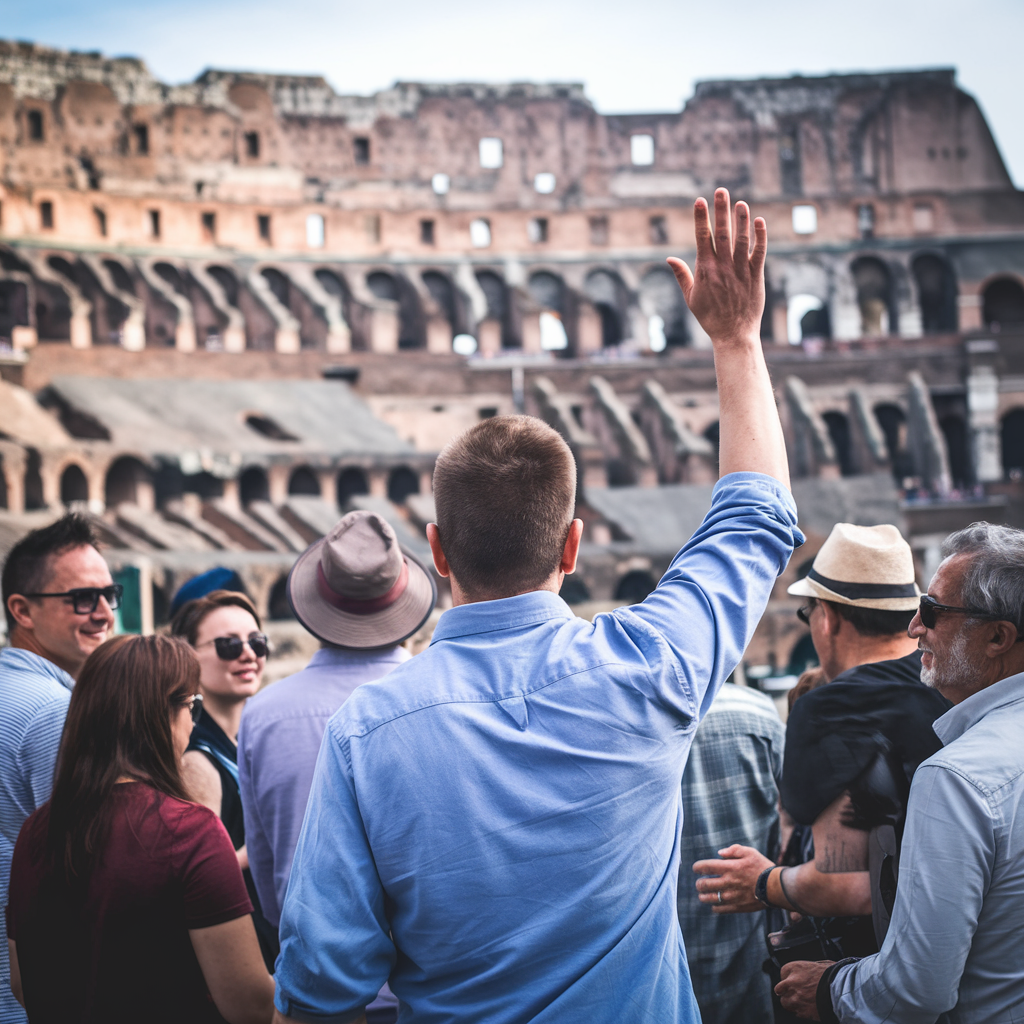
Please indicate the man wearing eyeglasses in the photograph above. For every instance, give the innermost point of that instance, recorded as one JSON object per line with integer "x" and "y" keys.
{"x": 59, "y": 601}
{"x": 953, "y": 949}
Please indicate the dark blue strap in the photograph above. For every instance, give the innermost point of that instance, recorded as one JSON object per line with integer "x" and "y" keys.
{"x": 229, "y": 766}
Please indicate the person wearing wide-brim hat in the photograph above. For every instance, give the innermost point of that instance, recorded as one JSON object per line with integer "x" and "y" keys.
{"x": 359, "y": 593}
{"x": 874, "y": 714}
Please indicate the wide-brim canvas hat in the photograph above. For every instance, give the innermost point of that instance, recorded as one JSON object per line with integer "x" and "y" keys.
{"x": 863, "y": 566}
{"x": 358, "y": 588}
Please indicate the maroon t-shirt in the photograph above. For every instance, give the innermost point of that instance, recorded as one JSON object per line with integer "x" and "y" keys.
{"x": 119, "y": 951}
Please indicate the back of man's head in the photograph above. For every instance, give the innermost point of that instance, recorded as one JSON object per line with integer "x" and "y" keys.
{"x": 29, "y": 562}
{"x": 874, "y": 622}
{"x": 504, "y": 493}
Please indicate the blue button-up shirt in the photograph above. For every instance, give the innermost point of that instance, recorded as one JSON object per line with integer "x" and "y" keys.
{"x": 34, "y": 697}
{"x": 495, "y": 825}
{"x": 955, "y": 942}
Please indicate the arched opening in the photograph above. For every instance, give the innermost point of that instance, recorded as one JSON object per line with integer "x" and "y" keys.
{"x": 304, "y": 481}
{"x": 954, "y": 429}
{"x": 401, "y": 483}
{"x": 382, "y": 286}
{"x": 172, "y": 276}
{"x": 574, "y": 590}
{"x": 392, "y": 288}
{"x": 349, "y": 483}
{"x": 496, "y": 295}
{"x": 13, "y": 306}
{"x": 122, "y": 279}
{"x": 206, "y": 485}
{"x": 806, "y": 318}
{"x": 893, "y": 422}
{"x": 662, "y": 303}
{"x": 712, "y": 433}
{"x": 1003, "y": 305}
{"x": 279, "y": 285}
{"x": 228, "y": 282}
{"x": 161, "y": 606}
{"x": 253, "y": 485}
{"x": 936, "y": 293}
{"x": 443, "y": 294}
{"x": 838, "y": 426}
{"x": 124, "y": 478}
{"x": 33, "y": 482}
{"x": 608, "y": 294}
{"x": 634, "y": 586}
{"x": 1012, "y": 435}
{"x": 803, "y": 656}
{"x": 73, "y": 485}
{"x": 874, "y": 297}
{"x": 278, "y": 608}
{"x": 547, "y": 291}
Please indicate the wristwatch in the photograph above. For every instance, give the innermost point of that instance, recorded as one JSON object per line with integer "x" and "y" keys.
{"x": 761, "y": 887}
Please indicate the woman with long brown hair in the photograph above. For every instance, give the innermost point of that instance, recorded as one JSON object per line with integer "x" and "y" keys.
{"x": 126, "y": 902}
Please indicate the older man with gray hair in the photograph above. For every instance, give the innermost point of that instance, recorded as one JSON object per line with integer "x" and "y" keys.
{"x": 954, "y": 945}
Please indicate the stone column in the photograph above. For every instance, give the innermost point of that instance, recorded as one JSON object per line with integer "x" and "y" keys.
{"x": 384, "y": 328}
{"x": 983, "y": 424}
{"x": 969, "y": 306}
{"x": 277, "y": 483}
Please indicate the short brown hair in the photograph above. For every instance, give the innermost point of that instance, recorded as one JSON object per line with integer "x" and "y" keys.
{"x": 504, "y": 493}
{"x": 189, "y": 616}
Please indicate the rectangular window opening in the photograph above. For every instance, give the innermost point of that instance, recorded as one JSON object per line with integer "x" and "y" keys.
{"x": 426, "y": 232}
{"x": 924, "y": 217}
{"x": 46, "y": 213}
{"x": 154, "y": 223}
{"x": 659, "y": 230}
{"x": 315, "y": 232}
{"x": 480, "y": 233}
{"x": 252, "y": 144}
{"x": 209, "y": 221}
{"x": 263, "y": 226}
{"x": 491, "y": 154}
{"x": 789, "y": 163}
{"x": 866, "y": 220}
{"x": 641, "y": 150}
{"x": 141, "y": 132}
{"x": 372, "y": 225}
{"x": 35, "y": 125}
{"x": 101, "y": 221}
{"x": 361, "y": 150}
{"x": 537, "y": 230}
{"x": 598, "y": 230}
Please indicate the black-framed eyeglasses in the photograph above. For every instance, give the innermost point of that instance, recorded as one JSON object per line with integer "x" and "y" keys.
{"x": 930, "y": 608}
{"x": 86, "y": 599}
{"x": 803, "y": 613}
{"x": 194, "y": 703}
{"x": 230, "y": 647}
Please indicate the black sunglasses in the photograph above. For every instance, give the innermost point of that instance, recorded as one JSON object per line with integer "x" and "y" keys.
{"x": 194, "y": 703}
{"x": 230, "y": 647}
{"x": 87, "y": 599}
{"x": 930, "y": 608}
{"x": 803, "y": 613}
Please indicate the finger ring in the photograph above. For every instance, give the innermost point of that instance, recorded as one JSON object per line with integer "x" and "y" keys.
{"x": 720, "y": 900}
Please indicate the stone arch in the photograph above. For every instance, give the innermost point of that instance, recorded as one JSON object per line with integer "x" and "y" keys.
{"x": 875, "y": 297}
{"x": 954, "y": 430}
{"x": 14, "y": 306}
{"x": 635, "y": 586}
{"x": 74, "y": 486}
{"x": 548, "y": 291}
{"x": 496, "y": 293}
{"x": 838, "y": 426}
{"x": 663, "y": 305}
{"x": 108, "y": 312}
{"x": 348, "y": 483}
{"x": 1011, "y": 430}
{"x": 33, "y": 481}
{"x": 441, "y": 290}
{"x": 402, "y": 482}
{"x": 303, "y": 480}
{"x": 278, "y": 608}
{"x": 606, "y": 291}
{"x": 1002, "y": 303}
{"x": 279, "y": 285}
{"x": 574, "y": 590}
{"x": 395, "y": 288}
{"x": 893, "y": 422}
{"x": 936, "y": 293}
{"x": 225, "y": 277}
{"x": 125, "y": 481}
{"x": 253, "y": 485}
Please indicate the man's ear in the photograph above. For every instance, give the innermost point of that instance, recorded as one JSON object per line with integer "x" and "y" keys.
{"x": 21, "y": 610}
{"x": 572, "y": 547}
{"x": 833, "y": 620}
{"x": 1002, "y": 639}
{"x": 434, "y": 540}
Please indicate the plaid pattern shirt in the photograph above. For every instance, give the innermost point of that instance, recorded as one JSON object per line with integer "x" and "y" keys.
{"x": 730, "y": 795}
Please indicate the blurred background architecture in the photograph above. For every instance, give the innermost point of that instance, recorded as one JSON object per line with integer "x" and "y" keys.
{"x": 232, "y": 309}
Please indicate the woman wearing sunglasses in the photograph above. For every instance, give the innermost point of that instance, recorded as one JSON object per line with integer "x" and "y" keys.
{"x": 126, "y": 902}
{"x": 224, "y": 629}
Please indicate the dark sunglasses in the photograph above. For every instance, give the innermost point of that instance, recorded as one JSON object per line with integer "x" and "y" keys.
{"x": 930, "y": 608}
{"x": 86, "y": 599}
{"x": 194, "y": 703}
{"x": 803, "y": 613}
{"x": 230, "y": 647}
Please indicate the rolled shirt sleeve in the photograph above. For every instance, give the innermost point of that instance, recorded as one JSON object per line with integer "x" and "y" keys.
{"x": 336, "y": 950}
{"x": 946, "y": 865}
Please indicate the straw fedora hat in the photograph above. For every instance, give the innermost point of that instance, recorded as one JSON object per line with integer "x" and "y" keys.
{"x": 358, "y": 588}
{"x": 863, "y": 566}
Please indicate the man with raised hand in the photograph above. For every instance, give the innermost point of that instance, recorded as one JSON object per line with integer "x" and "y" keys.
{"x": 494, "y": 826}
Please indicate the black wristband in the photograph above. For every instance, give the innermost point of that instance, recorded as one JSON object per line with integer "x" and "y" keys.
{"x": 761, "y": 887}
{"x": 823, "y": 994}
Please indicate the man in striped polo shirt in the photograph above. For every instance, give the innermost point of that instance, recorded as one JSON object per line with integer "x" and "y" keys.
{"x": 59, "y": 600}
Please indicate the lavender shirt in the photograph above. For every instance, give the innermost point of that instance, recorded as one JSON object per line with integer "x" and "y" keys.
{"x": 278, "y": 744}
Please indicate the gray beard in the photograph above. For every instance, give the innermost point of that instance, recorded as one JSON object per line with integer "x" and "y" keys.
{"x": 952, "y": 672}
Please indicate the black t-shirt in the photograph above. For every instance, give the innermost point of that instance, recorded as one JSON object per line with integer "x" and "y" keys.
{"x": 836, "y": 731}
{"x": 209, "y": 738}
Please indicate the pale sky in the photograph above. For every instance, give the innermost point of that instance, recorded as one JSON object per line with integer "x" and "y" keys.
{"x": 639, "y": 56}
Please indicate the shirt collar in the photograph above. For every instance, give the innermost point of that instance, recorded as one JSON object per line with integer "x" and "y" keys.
{"x": 505, "y": 613}
{"x": 968, "y": 713}
{"x": 335, "y": 656}
{"x": 28, "y": 661}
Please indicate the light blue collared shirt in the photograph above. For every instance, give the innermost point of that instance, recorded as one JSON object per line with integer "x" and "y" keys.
{"x": 34, "y": 697}
{"x": 495, "y": 825}
{"x": 956, "y": 942}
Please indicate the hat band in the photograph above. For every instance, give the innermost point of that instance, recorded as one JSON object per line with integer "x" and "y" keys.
{"x": 864, "y": 591}
{"x": 356, "y": 606}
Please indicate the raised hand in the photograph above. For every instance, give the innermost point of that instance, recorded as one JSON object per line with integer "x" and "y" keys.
{"x": 725, "y": 290}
